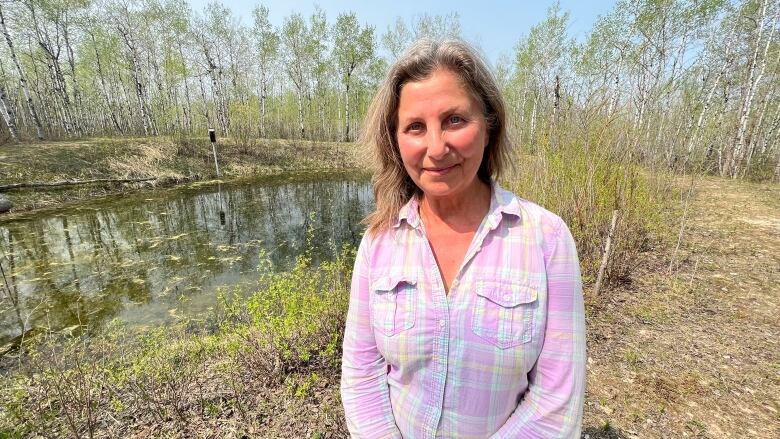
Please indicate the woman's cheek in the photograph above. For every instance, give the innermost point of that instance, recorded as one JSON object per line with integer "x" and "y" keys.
{"x": 467, "y": 140}
{"x": 412, "y": 148}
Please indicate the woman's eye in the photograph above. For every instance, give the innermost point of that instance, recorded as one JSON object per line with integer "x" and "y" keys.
{"x": 416, "y": 126}
{"x": 455, "y": 119}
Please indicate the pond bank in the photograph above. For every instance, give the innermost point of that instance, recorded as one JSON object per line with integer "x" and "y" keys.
{"x": 262, "y": 365}
{"x": 152, "y": 162}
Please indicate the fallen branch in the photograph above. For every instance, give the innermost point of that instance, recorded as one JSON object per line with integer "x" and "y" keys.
{"x": 8, "y": 187}
{"x": 682, "y": 223}
{"x": 607, "y": 251}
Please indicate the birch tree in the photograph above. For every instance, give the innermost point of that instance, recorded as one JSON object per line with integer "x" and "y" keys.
{"x": 267, "y": 40}
{"x": 766, "y": 24}
{"x": 298, "y": 63}
{"x": 353, "y": 47}
{"x": 22, "y": 77}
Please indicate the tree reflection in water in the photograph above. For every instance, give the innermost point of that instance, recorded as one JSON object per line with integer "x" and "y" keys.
{"x": 154, "y": 257}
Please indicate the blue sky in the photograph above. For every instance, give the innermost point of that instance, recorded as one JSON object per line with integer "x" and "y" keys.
{"x": 494, "y": 26}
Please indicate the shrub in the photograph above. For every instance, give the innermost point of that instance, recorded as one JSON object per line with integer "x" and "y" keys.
{"x": 583, "y": 173}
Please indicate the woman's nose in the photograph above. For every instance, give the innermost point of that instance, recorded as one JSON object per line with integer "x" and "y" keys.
{"x": 437, "y": 145}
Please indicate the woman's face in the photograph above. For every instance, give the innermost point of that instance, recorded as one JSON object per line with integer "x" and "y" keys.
{"x": 442, "y": 134}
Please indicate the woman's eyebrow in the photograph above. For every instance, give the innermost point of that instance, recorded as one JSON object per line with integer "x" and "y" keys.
{"x": 448, "y": 110}
{"x": 414, "y": 118}
{"x": 452, "y": 109}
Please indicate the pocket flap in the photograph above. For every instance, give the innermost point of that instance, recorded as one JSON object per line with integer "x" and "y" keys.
{"x": 506, "y": 294}
{"x": 388, "y": 283}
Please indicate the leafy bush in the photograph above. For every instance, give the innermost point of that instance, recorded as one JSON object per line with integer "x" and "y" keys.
{"x": 583, "y": 174}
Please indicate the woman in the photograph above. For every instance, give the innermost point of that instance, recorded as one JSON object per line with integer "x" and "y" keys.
{"x": 466, "y": 316}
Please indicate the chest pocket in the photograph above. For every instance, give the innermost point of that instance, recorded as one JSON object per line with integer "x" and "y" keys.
{"x": 393, "y": 303}
{"x": 505, "y": 312}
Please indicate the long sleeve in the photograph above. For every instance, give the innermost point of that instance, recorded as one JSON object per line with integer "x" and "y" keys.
{"x": 364, "y": 390}
{"x": 552, "y": 406}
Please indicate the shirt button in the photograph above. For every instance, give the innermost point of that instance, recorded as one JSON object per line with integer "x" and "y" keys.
{"x": 442, "y": 323}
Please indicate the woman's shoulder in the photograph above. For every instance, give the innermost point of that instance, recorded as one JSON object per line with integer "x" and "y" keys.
{"x": 532, "y": 214}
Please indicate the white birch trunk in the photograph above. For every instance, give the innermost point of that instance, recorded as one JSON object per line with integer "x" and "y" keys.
{"x": 7, "y": 112}
{"x": 736, "y": 156}
{"x": 22, "y": 79}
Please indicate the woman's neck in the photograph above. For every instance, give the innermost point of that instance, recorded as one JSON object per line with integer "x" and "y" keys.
{"x": 460, "y": 212}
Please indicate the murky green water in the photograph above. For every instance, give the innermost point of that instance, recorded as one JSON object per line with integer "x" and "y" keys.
{"x": 157, "y": 257}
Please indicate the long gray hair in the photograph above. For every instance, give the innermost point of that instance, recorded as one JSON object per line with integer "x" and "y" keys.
{"x": 392, "y": 185}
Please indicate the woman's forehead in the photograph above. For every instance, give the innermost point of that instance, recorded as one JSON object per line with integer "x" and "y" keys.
{"x": 441, "y": 89}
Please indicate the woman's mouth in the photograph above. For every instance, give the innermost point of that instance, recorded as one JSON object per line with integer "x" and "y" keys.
{"x": 439, "y": 171}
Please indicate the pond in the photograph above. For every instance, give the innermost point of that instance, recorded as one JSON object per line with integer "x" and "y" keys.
{"x": 157, "y": 257}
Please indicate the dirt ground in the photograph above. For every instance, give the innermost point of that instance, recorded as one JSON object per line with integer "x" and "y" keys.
{"x": 695, "y": 352}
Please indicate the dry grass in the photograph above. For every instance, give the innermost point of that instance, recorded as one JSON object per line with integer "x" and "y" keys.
{"x": 695, "y": 353}
{"x": 168, "y": 160}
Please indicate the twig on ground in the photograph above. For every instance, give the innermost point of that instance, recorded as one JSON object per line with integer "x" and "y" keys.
{"x": 682, "y": 223}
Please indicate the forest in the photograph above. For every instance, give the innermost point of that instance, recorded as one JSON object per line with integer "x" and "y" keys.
{"x": 144, "y": 293}
{"x": 690, "y": 84}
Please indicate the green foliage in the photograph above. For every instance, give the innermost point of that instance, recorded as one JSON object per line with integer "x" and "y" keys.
{"x": 583, "y": 175}
{"x": 298, "y": 314}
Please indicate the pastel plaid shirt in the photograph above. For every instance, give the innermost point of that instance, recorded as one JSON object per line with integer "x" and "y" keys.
{"x": 502, "y": 355}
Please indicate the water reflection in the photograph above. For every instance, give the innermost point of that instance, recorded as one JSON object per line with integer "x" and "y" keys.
{"x": 149, "y": 260}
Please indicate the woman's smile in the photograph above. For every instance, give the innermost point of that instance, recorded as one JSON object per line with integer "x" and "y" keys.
{"x": 439, "y": 171}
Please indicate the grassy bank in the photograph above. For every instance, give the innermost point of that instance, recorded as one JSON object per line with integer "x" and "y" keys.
{"x": 164, "y": 160}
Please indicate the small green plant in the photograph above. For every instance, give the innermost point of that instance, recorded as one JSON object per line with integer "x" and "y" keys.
{"x": 696, "y": 426}
{"x": 632, "y": 359}
{"x": 287, "y": 333}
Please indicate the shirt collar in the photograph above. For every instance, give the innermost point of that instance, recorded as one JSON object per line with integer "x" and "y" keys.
{"x": 409, "y": 212}
{"x": 501, "y": 202}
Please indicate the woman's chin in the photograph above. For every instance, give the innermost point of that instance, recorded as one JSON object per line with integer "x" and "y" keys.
{"x": 443, "y": 187}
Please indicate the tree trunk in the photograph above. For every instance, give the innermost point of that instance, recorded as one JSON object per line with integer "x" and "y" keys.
{"x": 188, "y": 109}
{"x": 149, "y": 128}
{"x": 263, "y": 92}
{"x": 777, "y": 167}
{"x": 300, "y": 114}
{"x": 8, "y": 114}
{"x": 205, "y": 102}
{"x": 22, "y": 78}
{"x": 59, "y": 85}
{"x": 76, "y": 91}
{"x": 163, "y": 99}
{"x": 532, "y": 138}
{"x": 215, "y": 73}
{"x": 346, "y": 109}
{"x": 736, "y": 153}
{"x": 103, "y": 86}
